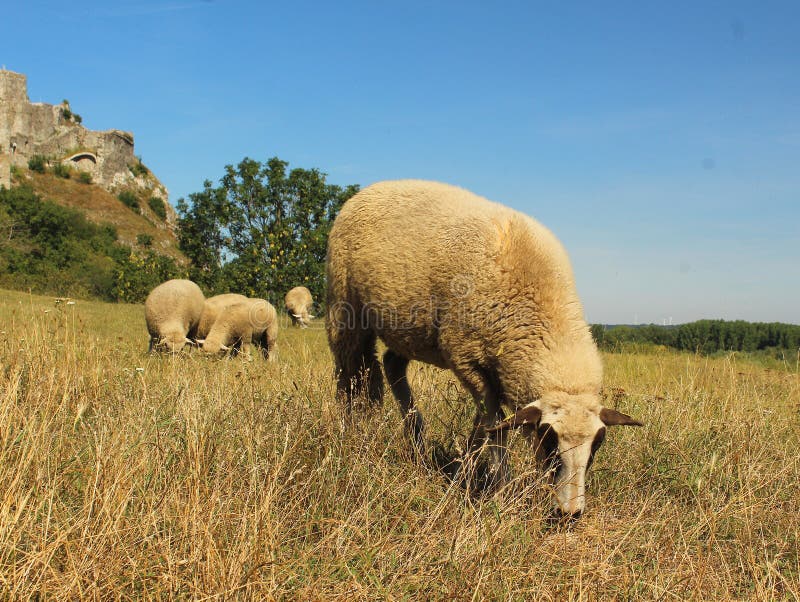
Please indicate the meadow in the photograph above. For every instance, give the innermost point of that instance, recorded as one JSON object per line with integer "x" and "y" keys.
{"x": 130, "y": 476}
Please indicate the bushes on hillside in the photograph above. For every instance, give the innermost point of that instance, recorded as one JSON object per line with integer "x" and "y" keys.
{"x": 158, "y": 207}
{"x": 53, "y": 249}
{"x": 129, "y": 199}
{"x": 37, "y": 163}
{"x": 138, "y": 169}
{"x": 62, "y": 171}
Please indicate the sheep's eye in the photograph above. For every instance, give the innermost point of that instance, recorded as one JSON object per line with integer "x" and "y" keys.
{"x": 548, "y": 442}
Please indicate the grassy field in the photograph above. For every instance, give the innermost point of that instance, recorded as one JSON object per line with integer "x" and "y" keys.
{"x": 127, "y": 476}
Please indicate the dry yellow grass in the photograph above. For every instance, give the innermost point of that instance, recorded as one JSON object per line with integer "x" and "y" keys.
{"x": 125, "y": 476}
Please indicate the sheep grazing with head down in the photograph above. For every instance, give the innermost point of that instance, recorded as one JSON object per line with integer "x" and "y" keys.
{"x": 451, "y": 279}
{"x": 298, "y": 302}
{"x": 242, "y": 324}
{"x": 172, "y": 312}
{"x": 211, "y": 310}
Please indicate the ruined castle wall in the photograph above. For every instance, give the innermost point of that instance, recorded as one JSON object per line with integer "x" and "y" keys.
{"x": 28, "y": 129}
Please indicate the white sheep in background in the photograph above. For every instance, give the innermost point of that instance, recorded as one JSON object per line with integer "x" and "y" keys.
{"x": 211, "y": 310}
{"x": 172, "y": 312}
{"x": 298, "y": 302}
{"x": 451, "y": 279}
{"x": 241, "y": 324}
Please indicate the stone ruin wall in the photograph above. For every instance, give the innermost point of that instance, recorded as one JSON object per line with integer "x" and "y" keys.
{"x": 28, "y": 129}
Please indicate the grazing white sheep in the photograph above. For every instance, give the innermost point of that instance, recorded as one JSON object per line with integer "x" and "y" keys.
{"x": 298, "y": 302}
{"x": 449, "y": 278}
{"x": 211, "y": 310}
{"x": 241, "y": 324}
{"x": 172, "y": 312}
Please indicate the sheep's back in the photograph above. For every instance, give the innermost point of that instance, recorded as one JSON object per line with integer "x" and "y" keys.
{"x": 212, "y": 308}
{"x": 414, "y": 253}
{"x": 173, "y": 301}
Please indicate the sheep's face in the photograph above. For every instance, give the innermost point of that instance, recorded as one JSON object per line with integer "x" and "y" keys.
{"x": 172, "y": 343}
{"x": 566, "y": 431}
{"x": 213, "y": 346}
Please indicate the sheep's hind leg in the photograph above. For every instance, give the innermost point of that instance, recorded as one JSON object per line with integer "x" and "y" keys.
{"x": 372, "y": 376}
{"x": 358, "y": 367}
{"x": 395, "y": 366}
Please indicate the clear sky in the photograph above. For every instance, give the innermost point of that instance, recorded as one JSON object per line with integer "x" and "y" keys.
{"x": 659, "y": 140}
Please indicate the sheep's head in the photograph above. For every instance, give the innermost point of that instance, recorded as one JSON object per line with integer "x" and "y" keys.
{"x": 566, "y": 431}
{"x": 173, "y": 342}
{"x": 213, "y": 345}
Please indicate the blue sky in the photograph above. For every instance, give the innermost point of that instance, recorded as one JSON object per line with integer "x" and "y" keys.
{"x": 659, "y": 141}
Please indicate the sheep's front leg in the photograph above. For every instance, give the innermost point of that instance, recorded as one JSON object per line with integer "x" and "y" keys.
{"x": 498, "y": 447}
{"x": 488, "y": 411}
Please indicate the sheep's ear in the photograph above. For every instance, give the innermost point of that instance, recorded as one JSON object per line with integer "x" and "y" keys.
{"x": 528, "y": 416}
{"x": 613, "y": 418}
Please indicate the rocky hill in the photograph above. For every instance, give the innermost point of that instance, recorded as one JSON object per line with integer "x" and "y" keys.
{"x": 138, "y": 227}
{"x": 46, "y": 146}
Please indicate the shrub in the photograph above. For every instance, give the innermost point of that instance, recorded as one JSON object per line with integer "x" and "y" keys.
{"x": 62, "y": 171}
{"x": 138, "y": 168}
{"x": 37, "y": 163}
{"x": 66, "y": 113}
{"x": 144, "y": 240}
{"x": 77, "y": 118}
{"x": 138, "y": 274}
{"x": 158, "y": 207}
{"x": 129, "y": 200}
{"x": 85, "y": 177}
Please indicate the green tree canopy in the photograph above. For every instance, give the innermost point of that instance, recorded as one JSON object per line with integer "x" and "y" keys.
{"x": 262, "y": 231}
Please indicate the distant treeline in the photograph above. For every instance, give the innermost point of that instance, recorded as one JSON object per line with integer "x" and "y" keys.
{"x": 703, "y": 336}
{"x": 51, "y": 249}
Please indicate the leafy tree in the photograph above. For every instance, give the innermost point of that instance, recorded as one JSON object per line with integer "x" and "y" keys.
{"x": 263, "y": 231}
{"x": 705, "y": 336}
{"x": 201, "y": 236}
{"x": 139, "y": 273}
